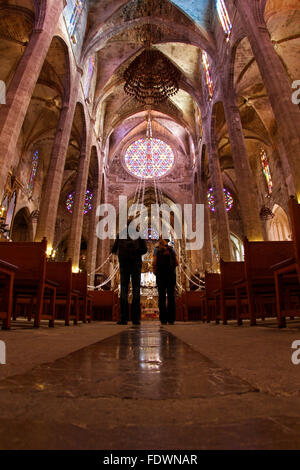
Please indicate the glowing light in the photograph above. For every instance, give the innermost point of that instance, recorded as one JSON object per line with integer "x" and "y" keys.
{"x": 266, "y": 170}
{"x": 208, "y": 78}
{"x": 50, "y": 253}
{"x": 49, "y": 250}
{"x": 224, "y": 17}
{"x": 149, "y": 158}
{"x": 148, "y": 279}
{"x": 87, "y": 205}
{"x": 211, "y": 200}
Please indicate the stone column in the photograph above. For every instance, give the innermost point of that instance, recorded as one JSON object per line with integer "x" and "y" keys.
{"x": 74, "y": 240}
{"x": 54, "y": 178}
{"x": 246, "y": 186}
{"x": 223, "y": 231}
{"x": 93, "y": 239}
{"x": 196, "y": 255}
{"x": 22, "y": 86}
{"x": 102, "y": 244}
{"x": 276, "y": 81}
{"x": 34, "y": 216}
{"x": 207, "y": 251}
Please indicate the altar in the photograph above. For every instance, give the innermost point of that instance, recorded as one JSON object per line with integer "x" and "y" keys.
{"x": 149, "y": 314}
{"x": 149, "y": 297}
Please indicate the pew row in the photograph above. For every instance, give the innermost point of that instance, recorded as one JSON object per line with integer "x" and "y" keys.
{"x": 105, "y": 305}
{"x": 67, "y": 298}
{"x": 7, "y": 276}
{"x": 212, "y": 283}
{"x": 192, "y": 305}
{"x": 179, "y": 305}
{"x": 31, "y": 282}
{"x": 287, "y": 273}
{"x": 224, "y": 307}
{"x": 79, "y": 283}
{"x": 255, "y": 292}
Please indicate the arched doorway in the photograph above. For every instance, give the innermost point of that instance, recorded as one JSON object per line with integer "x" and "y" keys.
{"x": 278, "y": 228}
{"x": 22, "y": 228}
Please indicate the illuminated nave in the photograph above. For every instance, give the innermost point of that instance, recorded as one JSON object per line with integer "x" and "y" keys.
{"x": 185, "y": 116}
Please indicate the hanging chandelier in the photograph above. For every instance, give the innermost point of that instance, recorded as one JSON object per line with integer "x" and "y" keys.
{"x": 266, "y": 213}
{"x": 151, "y": 77}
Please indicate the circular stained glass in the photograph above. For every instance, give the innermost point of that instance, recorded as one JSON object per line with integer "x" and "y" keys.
{"x": 87, "y": 204}
{"x": 149, "y": 158}
{"x": 211, "y": 199}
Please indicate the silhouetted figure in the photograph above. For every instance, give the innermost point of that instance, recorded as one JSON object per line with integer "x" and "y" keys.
{"x": 130, "y": 260}
{"x": 164, "y": 267}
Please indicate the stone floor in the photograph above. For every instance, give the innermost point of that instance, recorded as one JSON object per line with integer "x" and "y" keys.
{"x": 188, "y": 386}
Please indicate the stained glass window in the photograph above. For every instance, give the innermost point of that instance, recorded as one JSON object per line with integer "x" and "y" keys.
{"x": 216, "y": 253}
{"x": 89, "y": 76}
{"x": 224, "y": 17}
{"x": 149, "y": 158}
{"x": 78, "y": 6}
{"x": 34, "y": 165}
{"x": 211, "y": 199}
{"x": 87, "y": 204}
{"x": 208, "y": 78}
{"x": 266, "y": 170}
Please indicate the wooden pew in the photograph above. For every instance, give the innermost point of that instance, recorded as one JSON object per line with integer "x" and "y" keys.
{"x": 7, "y": 276}
{"x": 257, "y": 288}
{"x": 212, "y": 283}
{"x": 287, "y": 274}
{"x": 225, "y": 299}
{"x": 79, "y": 283}
{"x": 66, "y": 295}
{"x": 31, "y": 281}
{"x": 105, "y": 305}
{"x": 192, "y": 302}
{"x": 179, "y": 302}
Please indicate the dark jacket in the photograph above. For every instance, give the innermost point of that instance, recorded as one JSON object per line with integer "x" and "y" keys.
{"x": 165, "y": 260}
{"x": 128, "y": 250}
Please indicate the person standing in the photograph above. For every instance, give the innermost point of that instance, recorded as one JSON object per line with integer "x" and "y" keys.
{"x": 165, "y": 262}
{"x": 130, "y": 261}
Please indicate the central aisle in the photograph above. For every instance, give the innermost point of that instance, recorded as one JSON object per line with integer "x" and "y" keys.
{"x": 140, "y": 389}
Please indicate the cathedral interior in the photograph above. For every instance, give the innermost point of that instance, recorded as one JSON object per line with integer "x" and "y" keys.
{"x": 150, "y": 102}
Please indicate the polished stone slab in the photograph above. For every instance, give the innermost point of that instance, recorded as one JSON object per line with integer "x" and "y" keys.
{"x": 142, "y": 388}
{"x": 144, "y": 362}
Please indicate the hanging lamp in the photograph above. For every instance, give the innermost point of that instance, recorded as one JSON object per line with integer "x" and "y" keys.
{"x": 151, "y": 78}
